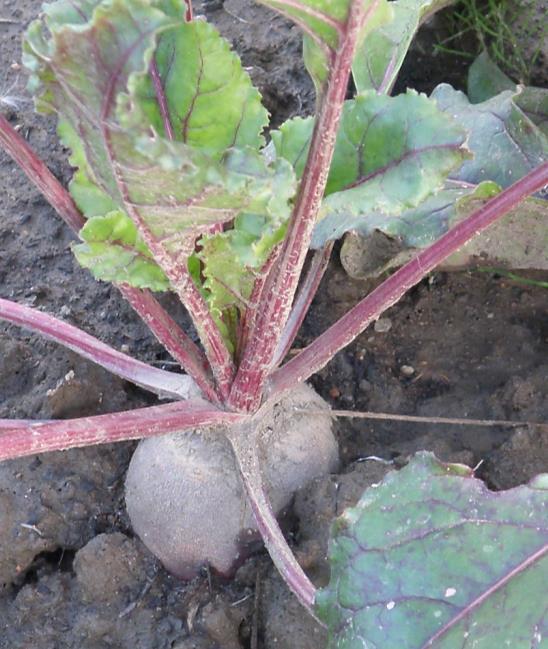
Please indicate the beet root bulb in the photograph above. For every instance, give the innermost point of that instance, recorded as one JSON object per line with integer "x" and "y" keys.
{"x": 185, "y": 497}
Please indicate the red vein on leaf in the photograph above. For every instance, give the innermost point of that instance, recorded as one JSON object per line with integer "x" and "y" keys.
{"x": 467, "y": 610}
{"x": 161, "y": 96}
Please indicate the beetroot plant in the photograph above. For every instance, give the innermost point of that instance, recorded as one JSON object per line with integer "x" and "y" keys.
{"x": 175, "y": 189}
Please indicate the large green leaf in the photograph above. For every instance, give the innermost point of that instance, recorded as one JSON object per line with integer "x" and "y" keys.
{"x": 379, "y": 57}
{"x": 432, "y": 558}
{"x": 391, "y": 154}
{"x": 505, "y": 142}
{"x": 95, "y": 75}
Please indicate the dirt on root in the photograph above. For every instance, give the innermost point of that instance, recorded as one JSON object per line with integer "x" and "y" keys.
{"x": 72, "y": 573}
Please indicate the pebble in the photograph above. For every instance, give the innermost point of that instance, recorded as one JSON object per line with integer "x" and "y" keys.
{"x": 407, "y": 370}
{"x": 382, "y": 325}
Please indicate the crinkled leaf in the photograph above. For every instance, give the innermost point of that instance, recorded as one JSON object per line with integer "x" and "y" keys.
{"x": 380, "y": 55}
{"x": 113, "y": 251}
{"x": 231, "y": 261}
{"x": 422, "y": 225}
{"x": 432, "y": 558}
{"x": 292, "y": 142}
{"x": 517, "y": 241}
{"x": 391, "y": 154}
{"x": 90, "y": 198}
{"x": 486, "y": 79}
{"x": 92, "y": 74}
{"x": 505, "y": 142}
{"x": 228, "y": 258}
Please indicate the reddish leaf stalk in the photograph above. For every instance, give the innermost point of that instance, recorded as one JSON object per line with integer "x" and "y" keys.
{"x": 37, "y": 172}
{"x": 245, "y": 451}
{"x": 154, "y": 379}
{"x": 188, "y": 10}
{"x": 343, "y": 332}
{"x": 191, "y": 359}
{"x": 318, "y": 266}
{"x": 283, "y": 280}
{"x": 30, "y": 438}
{"x": 164, "y": 328}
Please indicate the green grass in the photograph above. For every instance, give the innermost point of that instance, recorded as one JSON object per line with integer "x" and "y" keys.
{"x": 512, "y": 276}
{"x": 491, "y": 23}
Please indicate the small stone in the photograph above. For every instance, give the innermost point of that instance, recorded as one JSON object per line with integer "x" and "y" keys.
{"x": 65, "y": 311}
{"x": 124, "y": 349}
{"x": 364, "y": 385}
{"x": 407, "y": 370}
{"x": 382, "y": 325}
{"x": 334, "y": 393}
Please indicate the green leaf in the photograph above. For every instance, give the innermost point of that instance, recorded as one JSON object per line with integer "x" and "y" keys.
{"x": 93, "y": 74}
{"x": 486, "y": 79}
{"x": 113, "y": 251}
{"x": 505, "y": 142}
{"x": 292, "y": 142}
{"x": 228, "y": 258}
{"x": 534, "y": 103}
{"x": 391, "y": 154}
{"x": 211, "y": 101}
{"x": 420, "y": 226}
{"x": 231, "y": 262}
{"x": 380, "y": 56}
{"x": 432, "y": 558}
{"x": 517, "y": 241}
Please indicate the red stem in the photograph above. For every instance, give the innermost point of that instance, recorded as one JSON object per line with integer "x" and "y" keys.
{"x": 343, "y": 332}
{"x": 40, "y": 175}
{"x": 164, "y": 328}
{"x": 172, "y": 337}
{"x": 169, "y": 384}
{"x": 188, "y": 10}
{"x": 306, "y": 294}
{"x": 251, "y": 311}
{"x": 244, "y": 445}
{"x": 30, "y": 438}
{"x": 283, "y": 280}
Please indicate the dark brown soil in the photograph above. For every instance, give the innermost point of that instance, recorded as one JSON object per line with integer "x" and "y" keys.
{"x": 72, "y": 574}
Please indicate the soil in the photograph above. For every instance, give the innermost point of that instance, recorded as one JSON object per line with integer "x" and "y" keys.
{"x": 72, "y": 573}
